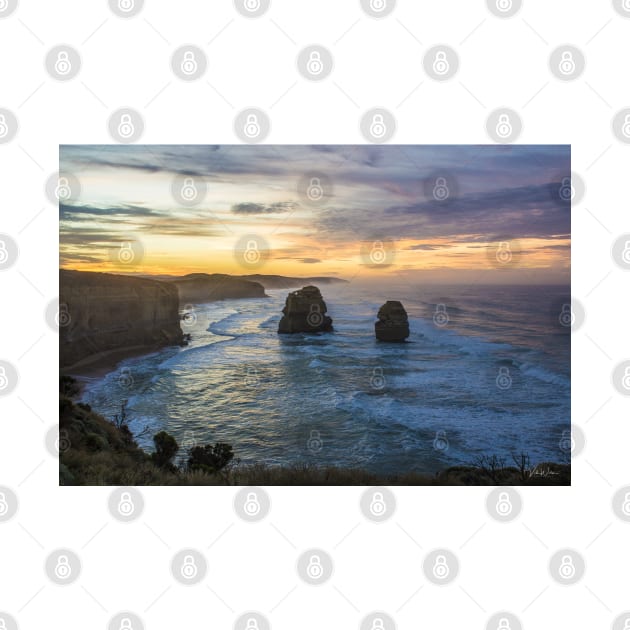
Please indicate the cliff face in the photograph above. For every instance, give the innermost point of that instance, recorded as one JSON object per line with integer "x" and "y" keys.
{"x": 203, "y": 287}
{"x": 305, "y": 311}
{"x": 101, "y": 312}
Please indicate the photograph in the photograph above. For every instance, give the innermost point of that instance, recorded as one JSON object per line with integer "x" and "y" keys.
{"x": 315, "y": 315}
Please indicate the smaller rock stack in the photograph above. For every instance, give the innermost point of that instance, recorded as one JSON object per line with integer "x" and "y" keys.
{"x": 392, "y": 324}
{"x": 305, "y": 311}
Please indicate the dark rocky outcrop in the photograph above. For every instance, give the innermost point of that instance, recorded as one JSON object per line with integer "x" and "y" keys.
{"x": 100, "y": 313}
{"x": 305, "y": 311}
{"x": 392, "y": 324}
{"x": 204, "y": 287}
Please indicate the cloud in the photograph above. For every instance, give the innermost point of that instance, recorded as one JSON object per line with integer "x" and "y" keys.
{"x": 259, "y": 208}
{"x": 426, "y": 248}
{"x": 310, "y": 261}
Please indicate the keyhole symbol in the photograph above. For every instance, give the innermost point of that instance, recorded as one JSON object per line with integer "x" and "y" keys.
{"x": 252, "y": 255}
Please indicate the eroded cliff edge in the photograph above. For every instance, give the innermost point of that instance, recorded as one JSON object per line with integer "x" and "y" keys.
{"x": 101, "y": 313}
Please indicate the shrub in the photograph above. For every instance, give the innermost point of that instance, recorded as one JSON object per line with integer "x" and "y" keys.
{"x": 68, "y": 386}
{"x": 210, "y": 459}
{"x": 166, "y": 448}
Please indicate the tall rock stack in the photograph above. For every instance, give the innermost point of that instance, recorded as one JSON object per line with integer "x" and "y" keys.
{"x": 305, "y": 311}
{"x": 393, "y": 323}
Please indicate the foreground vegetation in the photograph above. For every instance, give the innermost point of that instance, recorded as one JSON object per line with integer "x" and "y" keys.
{"x": 98, "y": 451}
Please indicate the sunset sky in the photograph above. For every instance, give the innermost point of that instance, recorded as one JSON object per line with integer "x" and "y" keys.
{"x": 440, "y": 212}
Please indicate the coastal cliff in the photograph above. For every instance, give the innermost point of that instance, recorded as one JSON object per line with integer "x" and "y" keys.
{"x": 204, "y": 287}
{"x": 101, "y": 313}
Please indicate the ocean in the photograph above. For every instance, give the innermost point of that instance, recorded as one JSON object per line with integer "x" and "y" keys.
{"x": 485, "y": 371}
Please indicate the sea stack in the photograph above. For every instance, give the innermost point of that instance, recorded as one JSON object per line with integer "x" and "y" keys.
{"x": 304, "y": 311}
{"x": 392, "y": 324}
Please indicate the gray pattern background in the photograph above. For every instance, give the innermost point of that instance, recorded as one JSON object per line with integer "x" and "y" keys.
{"x": 120, "y": 71}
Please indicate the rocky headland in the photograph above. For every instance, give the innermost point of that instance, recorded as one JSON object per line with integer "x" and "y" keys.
{"x": 204, "y": 287}
{"x": 102, "y": 313}
{"x": 393, "y": 323}
{"x": 305, "y": 311}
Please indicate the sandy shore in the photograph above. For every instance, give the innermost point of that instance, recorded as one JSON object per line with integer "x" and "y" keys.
{"x": 102, "y": 363}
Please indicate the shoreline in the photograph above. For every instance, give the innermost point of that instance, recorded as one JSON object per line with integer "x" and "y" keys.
{"x": 100, "y": 364}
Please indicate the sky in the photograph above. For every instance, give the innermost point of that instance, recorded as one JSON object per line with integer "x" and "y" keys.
{"x": 447, "y": 213}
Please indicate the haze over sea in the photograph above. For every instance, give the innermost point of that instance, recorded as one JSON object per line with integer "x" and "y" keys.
{"x": 495, "y": 379}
